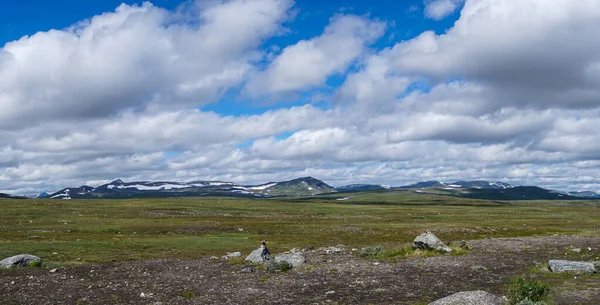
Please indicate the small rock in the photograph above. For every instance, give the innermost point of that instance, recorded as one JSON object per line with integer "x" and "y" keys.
{"x": 142, "y": 295}
{"x": 570, "y": 266}
{"x": 21, "y": 260}
{"x": 332, "y": 250}
{"x": 247, "y": 269}
{"x": 329, "y": 292}
{"x": 53, "y": 270}
{"x": 465, "y": 245}
{"x": 233, "y": 254}
{"x": 479, "y": 268}
{"x": 214, "y": 257}
{"x": 477, "y": 297}
{"x": 576, "y": 250}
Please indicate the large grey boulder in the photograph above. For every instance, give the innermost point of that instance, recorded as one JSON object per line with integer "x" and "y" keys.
{"x": 294, "y": 259}
{"x": 259, "y": 255}
{"x": 478, "y": 297}
{"x": 428, "y": 241}
{"x": 21, "y": 260}
{"x": 570, "y": 266}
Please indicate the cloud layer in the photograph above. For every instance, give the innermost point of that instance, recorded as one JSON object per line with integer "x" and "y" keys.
{"x": 510, "y": 92}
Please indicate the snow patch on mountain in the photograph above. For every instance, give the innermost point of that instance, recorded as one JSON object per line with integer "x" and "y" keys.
{"x": 141, "y": 187}
{"x": 261, "y": 187}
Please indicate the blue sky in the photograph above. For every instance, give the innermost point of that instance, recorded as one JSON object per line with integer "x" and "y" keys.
{"x": 405, "y": 21}
{"x": 390, "y": 92}
{"x": 20, "y": 18}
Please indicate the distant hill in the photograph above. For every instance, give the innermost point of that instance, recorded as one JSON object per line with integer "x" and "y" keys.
{"x": 479, "y": 189}
{"x": 477, "y": 184}
{"x": 586, "y": 194}
{"x": 482, "y": 185}
{"x": 361, "y": 187}
{"x": 298, "y": 187}
{"x": 306, "y": 186}
{"x": 119, "y": 189}
{"x": 2, "y": 195}
{"x": 518, "y": 193}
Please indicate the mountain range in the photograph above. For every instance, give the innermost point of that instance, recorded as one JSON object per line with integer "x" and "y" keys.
{"x": 118, "y": 189}
{"x": 306, "y": 186}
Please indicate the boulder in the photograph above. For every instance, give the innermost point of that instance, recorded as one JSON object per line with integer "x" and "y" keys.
{"x": 477, "y": 297}
{"x": 295, "y": 259}
{"x": 428, "y": 241}
{"x": 570, "y": 266}
{"x": 259, "y": 255}
{"x": 21, "y": 260}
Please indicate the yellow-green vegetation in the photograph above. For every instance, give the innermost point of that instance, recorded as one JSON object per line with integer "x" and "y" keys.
{"x": 407, "y": 251}
{"x": 94, "y": 231}
{"x": 188, "y": 295}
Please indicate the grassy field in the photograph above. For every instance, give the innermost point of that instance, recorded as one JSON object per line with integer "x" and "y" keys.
{"x": 95, "y": 231}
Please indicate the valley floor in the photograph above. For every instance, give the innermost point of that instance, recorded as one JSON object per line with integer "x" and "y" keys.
{"x": 341, "y": 278}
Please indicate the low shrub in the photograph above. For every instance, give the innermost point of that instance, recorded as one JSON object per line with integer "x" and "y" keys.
{"x": 280, "y": 266}
{"x": 37, "y": 264}
{"x": 371, "y": 251}
{"x": 523, "y": 291}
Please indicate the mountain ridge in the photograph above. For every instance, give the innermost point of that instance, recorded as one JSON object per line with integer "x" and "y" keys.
{"x": 118, "y": 189}
{"x": 304, "y": 186}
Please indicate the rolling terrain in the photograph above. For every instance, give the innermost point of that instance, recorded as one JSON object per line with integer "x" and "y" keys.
{"x": 111, "y": 251}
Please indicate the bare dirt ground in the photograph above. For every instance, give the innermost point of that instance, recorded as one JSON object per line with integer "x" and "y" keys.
{"x": 341, "y": 278}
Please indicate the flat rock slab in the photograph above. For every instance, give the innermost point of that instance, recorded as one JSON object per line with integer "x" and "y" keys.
{"x": 477, "y": 297}
{"x": 295, "y": 259}
{"x": 21, "y": 260}
{"x": 571, "y": 266}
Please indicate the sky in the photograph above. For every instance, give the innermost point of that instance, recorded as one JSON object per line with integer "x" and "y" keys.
{"x": 251, "y": 91}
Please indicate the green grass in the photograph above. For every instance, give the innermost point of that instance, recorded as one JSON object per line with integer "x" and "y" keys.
{"x": 96, "y": 231}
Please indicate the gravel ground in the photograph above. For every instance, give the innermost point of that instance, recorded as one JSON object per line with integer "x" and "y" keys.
{"x": 340, "y": 278}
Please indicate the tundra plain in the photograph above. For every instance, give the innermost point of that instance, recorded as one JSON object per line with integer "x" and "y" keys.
{"x": 180, "y": 234}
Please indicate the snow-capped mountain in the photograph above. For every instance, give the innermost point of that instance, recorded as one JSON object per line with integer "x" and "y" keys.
{"x": 462, "y": 184}
{"x": 481, "y": 185}
{"x": 585, "y": 194}
{"x": 121, "y": 189}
